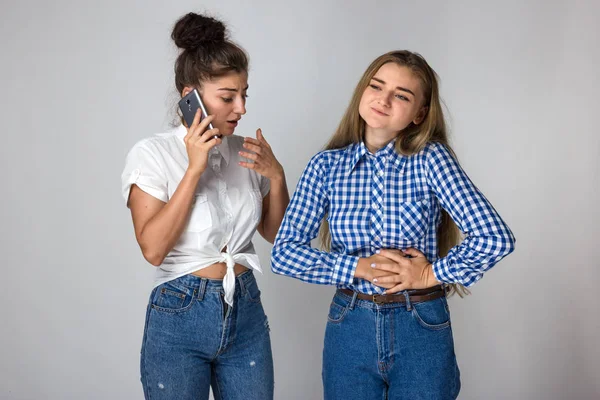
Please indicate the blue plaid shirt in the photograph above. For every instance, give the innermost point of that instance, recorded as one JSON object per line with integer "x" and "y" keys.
{"x": 386, "y": 200}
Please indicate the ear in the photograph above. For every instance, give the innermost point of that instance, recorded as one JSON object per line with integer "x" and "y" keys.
{"x": 186, "y": 90}
{"x": 421, "y": 115}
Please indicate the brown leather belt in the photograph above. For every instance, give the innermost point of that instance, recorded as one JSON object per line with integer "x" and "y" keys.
{"x": 415, "y": 296}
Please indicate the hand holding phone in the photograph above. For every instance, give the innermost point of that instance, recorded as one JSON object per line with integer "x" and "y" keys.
{"x": 198, "y": 143}
{"x": 189, "y": 105}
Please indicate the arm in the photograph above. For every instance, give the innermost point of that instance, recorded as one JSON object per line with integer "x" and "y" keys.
{"x": 159, "y": 225}
{"x": 274, "y": 205}
{"x": 277, "y": 199}
{"x": 488, "y": 238}
{"x": 159, "y": 222}
{"x": 292, "y": 253}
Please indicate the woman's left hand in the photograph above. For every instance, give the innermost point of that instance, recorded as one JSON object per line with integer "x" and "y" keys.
{"x": 264, "y": 161}
{"x": 410, "y": 273}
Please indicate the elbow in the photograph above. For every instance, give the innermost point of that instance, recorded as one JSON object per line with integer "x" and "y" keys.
{"x": 151, "y": 255}
{"x": 153, "y": 258}
{"x": 276, "y": 266}
{"x": 510, "y": 244}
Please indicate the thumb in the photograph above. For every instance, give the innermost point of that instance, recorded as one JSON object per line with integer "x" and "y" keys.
{"x": 411, "y": 251}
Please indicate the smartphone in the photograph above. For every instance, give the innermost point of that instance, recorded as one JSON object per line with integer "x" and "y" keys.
{"x": 189, "y": 104}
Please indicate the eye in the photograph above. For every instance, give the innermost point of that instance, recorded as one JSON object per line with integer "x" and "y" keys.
{"x": 227, "y": 99}
{"x": 399, "y": 96}
{"x": 375, "y": 87}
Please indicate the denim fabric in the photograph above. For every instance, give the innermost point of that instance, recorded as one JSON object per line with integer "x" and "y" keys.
{"x": 389, "y": 351}
{"x": 193, "y": 340}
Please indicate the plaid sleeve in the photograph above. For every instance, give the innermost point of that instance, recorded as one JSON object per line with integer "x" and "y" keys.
{"x": 292, "y": 253}
{"x": 488, "y": 238}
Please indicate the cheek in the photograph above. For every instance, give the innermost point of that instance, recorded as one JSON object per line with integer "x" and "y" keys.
{"x": 363, "y": 106}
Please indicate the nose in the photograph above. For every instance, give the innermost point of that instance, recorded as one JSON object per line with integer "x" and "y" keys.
{"x": 240, "y": 106}
{"x": 384, "y": 100}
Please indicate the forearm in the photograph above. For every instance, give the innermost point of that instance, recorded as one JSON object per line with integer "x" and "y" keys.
{"x": 279, "y": 199}
{"x": 162, "y": 231}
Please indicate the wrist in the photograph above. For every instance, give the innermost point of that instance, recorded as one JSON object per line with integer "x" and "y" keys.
{"x": 363, "y": 268}
{"x": 432, "y": 280}
{"x": 279, "y": 177}
{"x": 194, "y": 172}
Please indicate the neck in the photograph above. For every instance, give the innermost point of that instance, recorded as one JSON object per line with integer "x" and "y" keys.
{"x": 376, "y": 139}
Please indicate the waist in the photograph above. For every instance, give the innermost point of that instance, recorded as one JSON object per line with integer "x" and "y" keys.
{"x": 218, "y": 271}
{"x": 414, "y": 295}
{"x": 203, "y": 285}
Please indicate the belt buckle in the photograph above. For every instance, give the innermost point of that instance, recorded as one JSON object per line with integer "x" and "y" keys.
{"x": 375, "y": 299}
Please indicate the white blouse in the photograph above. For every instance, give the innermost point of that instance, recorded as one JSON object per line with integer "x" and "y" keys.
{"x": 225, "y": 212}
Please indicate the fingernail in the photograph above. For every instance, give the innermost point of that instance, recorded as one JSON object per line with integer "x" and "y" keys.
{"x": 375, "y": 280}
{"x": 377, "y": 251}
{"x": 384, "y": 292}
{"x": 373, "y": 265}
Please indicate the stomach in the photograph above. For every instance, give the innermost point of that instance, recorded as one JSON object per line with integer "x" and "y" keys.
{"x": 218, "y": 271}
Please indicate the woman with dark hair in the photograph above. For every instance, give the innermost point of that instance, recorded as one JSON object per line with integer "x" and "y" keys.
{"x": 197, "y": 196}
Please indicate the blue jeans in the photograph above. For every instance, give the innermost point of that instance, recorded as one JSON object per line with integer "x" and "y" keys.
{"x": 389, "y": 351}
{"x": 193, "y": 340}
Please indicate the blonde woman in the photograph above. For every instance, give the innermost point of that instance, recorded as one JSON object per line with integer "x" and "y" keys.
{"x": 387, "y": 194}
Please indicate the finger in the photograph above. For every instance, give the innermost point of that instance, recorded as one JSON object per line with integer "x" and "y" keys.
{"x": 196, "y": 119}
{"x": 247, "y": 165}
{"x": 253, "y": 147}
{"x": 411, "y": 251}
{"x": 260, "y": 136}
{"x": 388, "y": 279}
{"x": 201, "y": 127}
{"x": 398, "y": 288}
{"x": 194, "y": 124}
{"x": 395, "y": 268}
{"x": 394, "y": 255}
{"x": 209, "y": 134}
{"x": 248, "y": 155}
{"x": 252, "y": 141}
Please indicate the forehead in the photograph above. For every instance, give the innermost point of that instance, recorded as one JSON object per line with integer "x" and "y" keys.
{"x": 397, "y": 75}
{"x": 237, "y": 80}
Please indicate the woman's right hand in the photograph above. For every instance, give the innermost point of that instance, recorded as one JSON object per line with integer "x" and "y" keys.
{"x": 364, "y": 270}
{"x": 198, "y": 143}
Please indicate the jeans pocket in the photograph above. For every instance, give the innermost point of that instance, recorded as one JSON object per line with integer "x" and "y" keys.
{"x": 253, "y": 292}
{"x": 337, "y": 310}
{"x": 432, "y": 315}
{"x": 172, "y": 297}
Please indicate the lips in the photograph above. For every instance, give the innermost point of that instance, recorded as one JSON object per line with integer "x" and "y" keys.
{"x": 379, "y": 112}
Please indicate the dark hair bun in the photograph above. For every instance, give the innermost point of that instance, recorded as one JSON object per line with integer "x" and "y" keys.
{"x": 193, "y": 30}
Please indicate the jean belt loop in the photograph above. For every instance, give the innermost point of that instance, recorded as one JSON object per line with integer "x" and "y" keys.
{"x": 407, "y": 298}
{"x": 353, "y": 301}
{"x": 240, "y": 279}
{"x": 202, "y": 289}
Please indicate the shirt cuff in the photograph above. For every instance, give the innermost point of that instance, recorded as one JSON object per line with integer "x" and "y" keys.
{"x": 445, "y": 272}
{"x": 343, "y": 270}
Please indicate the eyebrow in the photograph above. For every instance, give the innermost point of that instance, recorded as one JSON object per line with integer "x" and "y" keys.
{"x": 233, "y": 89}
{"x": 397, "y": 87}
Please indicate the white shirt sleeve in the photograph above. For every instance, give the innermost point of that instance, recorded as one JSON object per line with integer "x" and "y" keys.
{"x": 265, "y": 186}
{"x": 144, "y": 170}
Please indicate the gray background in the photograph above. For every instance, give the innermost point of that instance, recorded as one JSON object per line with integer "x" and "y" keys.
{"x": 81, "y": 82}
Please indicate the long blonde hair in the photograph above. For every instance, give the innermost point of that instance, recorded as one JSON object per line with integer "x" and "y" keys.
{"x": 410, "y": 141}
